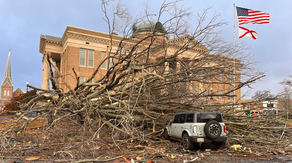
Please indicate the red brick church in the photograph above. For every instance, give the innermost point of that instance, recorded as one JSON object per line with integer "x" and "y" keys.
{"x": 7, "y": 92}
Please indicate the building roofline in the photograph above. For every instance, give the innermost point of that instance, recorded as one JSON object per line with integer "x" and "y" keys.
{"x": 88, "y": 30}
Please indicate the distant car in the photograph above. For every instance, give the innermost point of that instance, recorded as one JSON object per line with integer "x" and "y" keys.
{"x": 197, "y": 127}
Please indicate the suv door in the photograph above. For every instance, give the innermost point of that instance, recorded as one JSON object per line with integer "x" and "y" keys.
{"x": 189, "y": 124}
{"x": 173, "y": 126}
{"x": 180, "y": 126}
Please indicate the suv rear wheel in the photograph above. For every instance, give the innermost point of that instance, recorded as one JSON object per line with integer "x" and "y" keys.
{"x": 213, "y": 129}
{"x": 187, "y": 144}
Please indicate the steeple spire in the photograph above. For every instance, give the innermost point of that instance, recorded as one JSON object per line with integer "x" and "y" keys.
{"x": 7, "y": 76}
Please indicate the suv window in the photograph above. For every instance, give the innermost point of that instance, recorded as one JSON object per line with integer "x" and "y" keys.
{"x": 190, "y": 118}
{"x": 206, "y": 117}
{"x": 182, "y": 118}
{"x": 176, "y": 119}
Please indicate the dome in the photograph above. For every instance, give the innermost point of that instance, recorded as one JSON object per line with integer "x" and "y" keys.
{"x": 149, "y": 26}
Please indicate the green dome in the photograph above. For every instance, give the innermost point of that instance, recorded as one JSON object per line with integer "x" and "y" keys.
{"x": 147, "y": 26}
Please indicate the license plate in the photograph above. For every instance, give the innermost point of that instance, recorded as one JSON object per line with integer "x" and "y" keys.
{"x": 200, "y": 139}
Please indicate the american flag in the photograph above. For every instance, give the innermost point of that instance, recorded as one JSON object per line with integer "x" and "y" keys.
{"x": 246, "y": 16}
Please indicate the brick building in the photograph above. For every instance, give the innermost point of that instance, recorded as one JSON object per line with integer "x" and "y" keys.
{"x": 83, "y": 50}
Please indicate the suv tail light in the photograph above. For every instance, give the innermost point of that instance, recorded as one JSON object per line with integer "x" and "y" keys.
{"x": 225, "y": 129}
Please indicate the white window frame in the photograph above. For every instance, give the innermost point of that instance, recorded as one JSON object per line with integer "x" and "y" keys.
{"x": 7, "y": 92}
{"x": 89, "y": 58}
{"x": 4, "y": 92}
{"x": 104, "y": 64}
{"x": 80, "y": 57}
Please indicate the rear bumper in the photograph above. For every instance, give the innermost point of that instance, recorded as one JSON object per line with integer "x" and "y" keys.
{"x": 207, "y": 140}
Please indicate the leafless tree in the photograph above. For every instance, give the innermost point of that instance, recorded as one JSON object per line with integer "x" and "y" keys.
{"x": 262, "y": 95}
{"x": 285, "y": 97}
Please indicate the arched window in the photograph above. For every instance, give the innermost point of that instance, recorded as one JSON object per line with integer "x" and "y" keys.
{"x": 7, "y": 92}
{"x": 4, "y": 92}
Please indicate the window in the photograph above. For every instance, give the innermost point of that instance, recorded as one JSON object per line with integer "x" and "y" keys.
{"x": 82, "y": 57}
{"x": 229, "y": 96}
{"x": 210, "y": 92}
{"x": 218, "y": 75}
{"x": 90, "y": 81}
{"x": 205, "y": 94}
{"x": 270, "y": 105}
{"x": 190, "y": 118}
{"x": 206, "y": 74}
{"x": 217, "y": 94}
{"x": 4, "y": 92}
{"x": 197, "y": 90}
{"x": 7, "y": 92}
{"x": 90, "y": 58}
{"x": 222, "y": 97}
{"x": 182, "y": 118}
{"x": 233, "y": 97}
{"x": 103, "y": 65}
{"x": 222, "y": 77}
{"x": 81, "y": 80}
{"x": 206, "y": 117}
{"x": 210, "y": 75}
{"x": 111, "y": 60}
{"x": 172, "y": 66}
{"x": 176, "y": 119}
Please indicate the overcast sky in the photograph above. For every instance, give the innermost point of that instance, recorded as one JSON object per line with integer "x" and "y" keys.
{"x": 23, "y": 21}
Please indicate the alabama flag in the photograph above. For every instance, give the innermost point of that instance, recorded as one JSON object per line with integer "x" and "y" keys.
{"x": 245, "y": 32}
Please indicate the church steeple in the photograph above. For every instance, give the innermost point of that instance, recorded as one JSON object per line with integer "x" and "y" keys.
{"x": 7, "y": 76}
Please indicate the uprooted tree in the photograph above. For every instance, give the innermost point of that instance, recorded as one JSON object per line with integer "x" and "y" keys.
{"x": 158, "y": 68}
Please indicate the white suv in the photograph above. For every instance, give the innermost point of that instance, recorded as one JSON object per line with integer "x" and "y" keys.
{"x": 197, "y": 127}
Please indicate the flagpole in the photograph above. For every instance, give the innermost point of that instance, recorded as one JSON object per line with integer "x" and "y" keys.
{"x": 234, "y": 53}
